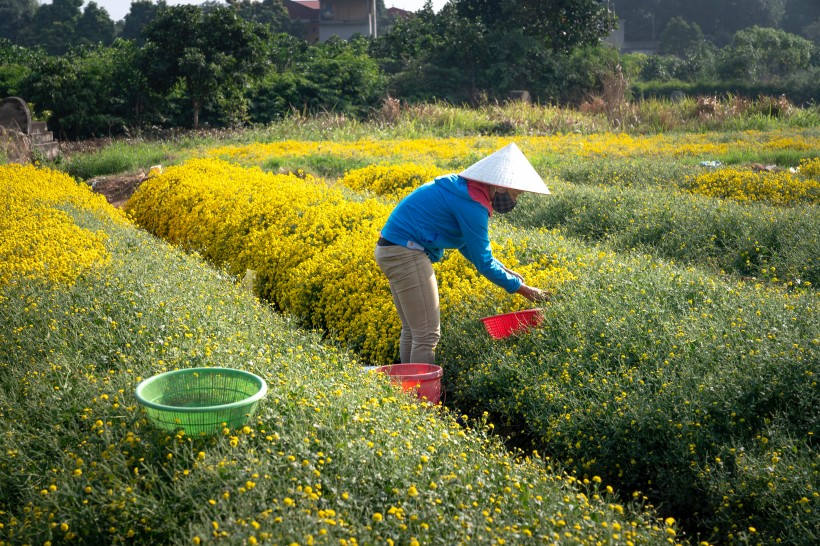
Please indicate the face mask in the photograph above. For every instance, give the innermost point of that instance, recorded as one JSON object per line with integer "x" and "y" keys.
{"x": 503, "y": 203}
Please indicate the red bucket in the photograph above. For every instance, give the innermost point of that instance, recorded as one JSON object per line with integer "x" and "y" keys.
{"x": 423, "y": 379}
{"x": 501, "y": 326}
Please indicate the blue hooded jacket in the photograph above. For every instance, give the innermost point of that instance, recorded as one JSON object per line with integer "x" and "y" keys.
{"x": 440, "y": 215}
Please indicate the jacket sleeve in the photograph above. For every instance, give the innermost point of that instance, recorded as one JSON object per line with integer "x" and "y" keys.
{"x": 474, "y": 227}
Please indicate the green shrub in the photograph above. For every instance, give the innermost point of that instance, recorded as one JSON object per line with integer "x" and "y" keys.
{"x": 750, "y": 240}
{"x": 666, "y": 382}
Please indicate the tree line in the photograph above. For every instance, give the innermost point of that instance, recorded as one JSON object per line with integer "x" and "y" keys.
{"x": 246, "y": 62}
{"x": 63, "y": 24}
{"x": 719, "y": 21}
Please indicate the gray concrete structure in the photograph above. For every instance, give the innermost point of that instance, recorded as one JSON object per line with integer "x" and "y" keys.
{"x": 15, "y": 114}
{"x": 25, "y": 139}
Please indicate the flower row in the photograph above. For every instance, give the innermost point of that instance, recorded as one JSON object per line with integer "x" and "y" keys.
{"x": 460, "y": 152}
{"x": 311, "y": 248}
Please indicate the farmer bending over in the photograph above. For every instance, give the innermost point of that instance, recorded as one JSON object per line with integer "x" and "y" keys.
{"x": 452, "y": 211}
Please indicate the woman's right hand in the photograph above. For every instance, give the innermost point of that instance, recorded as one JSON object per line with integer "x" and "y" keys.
{"x": 533, "y": 294}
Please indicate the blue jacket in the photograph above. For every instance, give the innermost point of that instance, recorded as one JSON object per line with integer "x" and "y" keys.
{"x": 441, "y": 214}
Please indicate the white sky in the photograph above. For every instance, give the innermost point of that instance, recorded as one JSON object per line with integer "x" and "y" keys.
{"x": 117, "y": 9}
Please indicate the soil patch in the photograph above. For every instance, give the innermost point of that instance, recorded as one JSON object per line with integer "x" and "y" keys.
{"x": 117, "y": 189}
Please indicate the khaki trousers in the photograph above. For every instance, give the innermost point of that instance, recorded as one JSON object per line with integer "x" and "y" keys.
{"x": 415, "y": 295}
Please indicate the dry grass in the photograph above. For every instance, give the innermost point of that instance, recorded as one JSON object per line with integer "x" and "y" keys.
{"x": 15, "y": 147}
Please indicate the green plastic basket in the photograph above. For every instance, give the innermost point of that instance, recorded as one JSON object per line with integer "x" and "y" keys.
{"x": 201, "y": 400}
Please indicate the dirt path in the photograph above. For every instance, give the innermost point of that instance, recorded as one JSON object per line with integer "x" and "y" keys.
{"x": 117, "y": 189}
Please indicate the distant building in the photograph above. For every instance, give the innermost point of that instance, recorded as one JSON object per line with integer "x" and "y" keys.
{"x": 307, "y": 13}
{"x": 617, "y": 39}
{"x": 398, "y": 13}
{"x": 342, "y": 18}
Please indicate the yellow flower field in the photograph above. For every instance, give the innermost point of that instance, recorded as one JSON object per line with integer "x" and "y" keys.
{"x": 684, "y": 379}
{"x": 460, "y": 152}
{"x": 37, "y": 239}
{"x": 745, "y": 185}
{"x": 333, "y": 456}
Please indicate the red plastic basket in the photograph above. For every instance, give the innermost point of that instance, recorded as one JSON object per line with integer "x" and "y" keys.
{"x": 502, "y": 326}
{"x": 423, "y": 379}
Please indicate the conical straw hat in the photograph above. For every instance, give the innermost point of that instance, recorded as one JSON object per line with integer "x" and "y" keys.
{"x": 507, "y": 168}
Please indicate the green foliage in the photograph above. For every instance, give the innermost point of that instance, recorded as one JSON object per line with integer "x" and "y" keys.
{"x": 14, "y": 15}
{"x": 679, "y": 36}
{"x": 271, "y": 13}
{"x": 212, "y": 54}
{"x": 563, "y": 25}
{"x": 75, "y": 89}
{"x": 799, "y": 14}
{"x": 431, "y": 56}
{"x": 88, "y": 91}
{"x": 718, "y": 20}
{"x": 764, "y": 54}
{"x": 801, "y": 93}
{"x": 634, "y": 205}
{"x": 16, "y": 64}
{"x": 758, "y": 60}
{"x": 140, "y": 14}
{"x": 53, "y": 26}
{"x": 95, "y": 26}
{"x": 464, "y": 54}
{"x": 331, "y": 166}
{"x": 581, "y": 73}
{"x": 803, "y": 86}
{"x": 332, "y": 76}
{"x": 784, "y": 158}
{"x": 343, "y": 77}
{"x": 662, "y": 68}
{"x": 666, "y": 381}
{"x": 60, "y": 25}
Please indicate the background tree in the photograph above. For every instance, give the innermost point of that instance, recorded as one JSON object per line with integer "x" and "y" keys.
{"x": 680, "y": 36}
{"x": 332, "y": 76}
{"x": 765, "y": 54}
{"x": 736, "y": 15}
{"x": 343, "y": 77}
{"x": 799, "y": 17}
{"x": 54, "y": 26}
{"x": 279, "y": 91}
{"x": 430, "y": 55}
{"x": 212, "y": 54}
{"x": 645, "y": 19}
{"x": 133, "y": 100}
{"x": 16, "y": 63}
{"x": 457, "y": 68}
{"x": 270, "y": 13}
{"x": 662, "y": 68}
{"x": 141, "y": 13}
{"x": 812, "y": 32}
{"x": 474, "y": 51}
{"x": 95, "y": 26}
{"x": 384, "y": 21}
{"x": 562, "y": 24}
{"x": 15, "y": 15}
{"x": 685, "y": 41}
{"x": 409, "y": 39}
{"x": 83, "y": 92}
